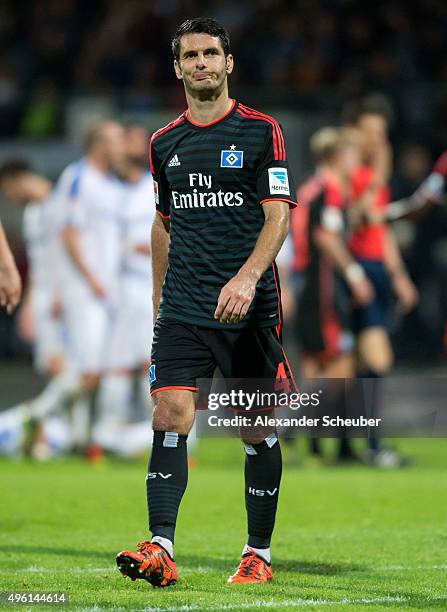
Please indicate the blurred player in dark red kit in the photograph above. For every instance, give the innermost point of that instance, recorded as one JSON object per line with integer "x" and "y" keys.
{"x": 374, "y": 247}
{"x": 331, "y": 275}
{"x": 332, "y": 279}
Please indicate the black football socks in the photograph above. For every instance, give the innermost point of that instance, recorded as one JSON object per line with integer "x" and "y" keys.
{"x": 263, "y": 468}
{"x": 166, "y": 482}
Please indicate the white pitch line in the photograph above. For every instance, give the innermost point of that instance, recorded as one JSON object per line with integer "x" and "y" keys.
{"x": 291, "y": 603}
{"x": 401, "y": 568}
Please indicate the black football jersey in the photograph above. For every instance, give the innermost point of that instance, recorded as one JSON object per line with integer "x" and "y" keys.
{"x": 210, "y": 181}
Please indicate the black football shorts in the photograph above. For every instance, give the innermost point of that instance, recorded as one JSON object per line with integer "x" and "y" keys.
{"x": 183, "y": 353}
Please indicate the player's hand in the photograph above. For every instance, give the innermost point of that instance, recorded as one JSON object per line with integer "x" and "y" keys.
{"x": 406, "y": 293}
{"x": 97, "y": 289}
{"x": 362, "y": 291}
{"x": 235, "y": 298}
{"x": 10, "y": 287}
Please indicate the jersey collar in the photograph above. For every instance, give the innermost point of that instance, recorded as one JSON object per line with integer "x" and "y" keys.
{"x": 229, "y": 112}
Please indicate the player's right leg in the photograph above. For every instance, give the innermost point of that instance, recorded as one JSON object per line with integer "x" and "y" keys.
{"x": 166, "y": 482}
{"x": 179, "y": 357}
{"x": 88, "y": 325}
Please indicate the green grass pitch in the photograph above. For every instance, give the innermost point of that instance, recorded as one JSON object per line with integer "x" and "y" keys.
{"x": 346, "y": 538}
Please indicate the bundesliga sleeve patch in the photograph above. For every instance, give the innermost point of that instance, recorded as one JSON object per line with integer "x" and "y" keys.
{"x": 278, "y": 181}
{"x": 157, "y": 199}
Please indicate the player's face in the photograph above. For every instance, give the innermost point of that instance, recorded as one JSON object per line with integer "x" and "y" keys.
{"x": 15, "y": 189}
{"x": 350, "y": 160}
{"x": 374, "y": 129}
{"x": 113, "y": 145}
{"x": 136, "y": 145}
{"x": 202, "y": 66}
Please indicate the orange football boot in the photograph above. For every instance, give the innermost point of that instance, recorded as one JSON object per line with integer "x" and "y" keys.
{"x": 152, "y": 563}
{"x": 252, "y": 569}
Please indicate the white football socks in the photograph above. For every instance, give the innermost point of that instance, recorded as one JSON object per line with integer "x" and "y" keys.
{"x": 261, "y": 552}
{"x": 165, "y": 543}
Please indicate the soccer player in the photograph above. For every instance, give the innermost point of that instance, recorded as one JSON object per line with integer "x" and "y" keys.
{"x": 26, "y": 188}
{"x": 92, "y": 238}
{"x": 10, "y": 283}
{"x": 332, "y": 280}
{"x": 223, "y": 193}
{"x": 332, "y": 276}
{"x": 131, "y": 336}
{"x": 40, "y": 318}
{"x": 374, "y": 247}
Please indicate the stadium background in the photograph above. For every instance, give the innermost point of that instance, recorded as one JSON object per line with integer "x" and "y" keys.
{"x": 66, "y": 62}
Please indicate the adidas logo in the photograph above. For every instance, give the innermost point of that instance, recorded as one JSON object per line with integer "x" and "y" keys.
{"x": 174, "y": 161}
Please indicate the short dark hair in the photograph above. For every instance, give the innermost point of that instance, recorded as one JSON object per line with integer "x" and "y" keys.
{"x": 374, "y": 104}
{"x": 13, "y": 168}
{"x": 201, "y": 25}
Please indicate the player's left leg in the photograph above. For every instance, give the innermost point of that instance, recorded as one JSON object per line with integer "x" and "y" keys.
{"x": 263, "y": 470}
{"x": 114, "y": 407}
{"x": 375, "y": 356}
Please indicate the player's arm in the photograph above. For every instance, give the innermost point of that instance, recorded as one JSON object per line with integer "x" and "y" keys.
{"x": 160, "y": 226}
{"x": 331, "y": 244}
{"x": 160, "y": 248}
{"x": 25, "y": 318}
{"x": 70, "y": 238}
{"x": 402, "y": 284}
{"x": 431, "y": 192}
{"x": 10, "y": 283}
{"x": 399, "y": 209}
{"x": 75, "y": 220}
{"x": 237, "y": 295}
{"x": 274, "y": 189}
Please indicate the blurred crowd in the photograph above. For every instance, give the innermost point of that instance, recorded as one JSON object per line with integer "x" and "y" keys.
{"x": 288, "y": 51}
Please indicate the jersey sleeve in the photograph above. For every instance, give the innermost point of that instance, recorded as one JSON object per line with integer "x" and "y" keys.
{"x": 330, "y": 213}
{"x": 68, "y": 194}
{"x": 274, "y": 180}
{"x": 162, "y": 192}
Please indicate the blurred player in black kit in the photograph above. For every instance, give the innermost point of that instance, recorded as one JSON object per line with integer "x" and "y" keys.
{"x": 223, "y": 193}
{"x": 332, "y": 281}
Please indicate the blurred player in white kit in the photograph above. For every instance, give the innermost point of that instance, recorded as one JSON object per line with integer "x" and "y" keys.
{"x": 40, "y": 318}
{"x": 92, "y": 198}
{"x": 131, "y": 337}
